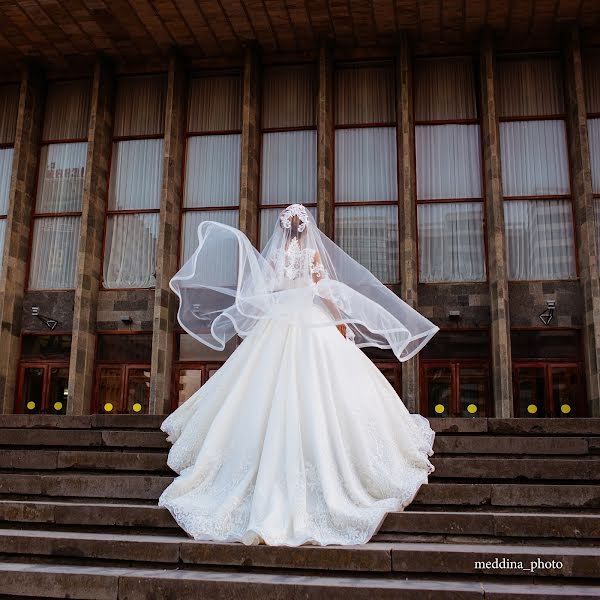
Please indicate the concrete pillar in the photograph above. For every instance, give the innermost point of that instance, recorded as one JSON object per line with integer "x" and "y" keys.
{"x": 408, "y": 210}
{"x": 89, "y": 259}
{"x": 16, "y": 245}
{"x": 496, "y": 244}
{"x": 250, "y": 158}
{"x": 325, "y": 135}
{"x": 581, "y": 180}
{"x": 165, "y": 301}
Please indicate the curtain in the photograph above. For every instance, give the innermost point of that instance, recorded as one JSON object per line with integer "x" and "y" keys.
{"x": 593, "y": 126}
{"x": 193, "y": 218}
{"x": 130, "y": 250}
{"x": 534, "y": 158}
{"x": 369, "y": 234}
{"x": 288, "y": 96}
{"x": 451, "y": 246}
{"x": 6, "y": 159}
{"x": 212, "y": 171}
{"x": 444, "y": 89}
{"x": 140, "y": 105}
{"x": 136, "y": 175}
{"x": 268, "y": 220}
{"x": 365, "y": 164}
{"x": 530, "y": 86}
{"x": 2, "y": 238}
{"x": 9, "y": 105}
{"x": 448, "y": 161}
{"x": 289, "y": 167}
{"x": 67, "y": 110}
{"x": 591, "y": 77}
{"x": 215, "y": 103}
{"x": 539, "y": 237}
{"x": 54, "y": 253}
{"x": 61, "y": 177}
{"x": 365, "y": 94}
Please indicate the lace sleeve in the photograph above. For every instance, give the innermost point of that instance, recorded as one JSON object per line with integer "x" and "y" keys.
{"x": 317, "y": 270}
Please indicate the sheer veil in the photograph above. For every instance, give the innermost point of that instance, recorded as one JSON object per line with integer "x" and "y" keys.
{"x": 226, "y": 287}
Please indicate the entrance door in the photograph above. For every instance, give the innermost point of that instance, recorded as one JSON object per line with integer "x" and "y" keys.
{"x": 43, "y": 388}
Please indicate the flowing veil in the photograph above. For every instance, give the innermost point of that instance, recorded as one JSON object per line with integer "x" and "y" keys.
{"x": 226, "y": 287}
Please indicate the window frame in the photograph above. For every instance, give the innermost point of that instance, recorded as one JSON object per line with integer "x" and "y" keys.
{"x": 483, "y": 199}
{"x": 108, "y": 212}
{"x": 262, "y": 130}
{"x": 541, "y": 117}
{"x": 45, "y": 143}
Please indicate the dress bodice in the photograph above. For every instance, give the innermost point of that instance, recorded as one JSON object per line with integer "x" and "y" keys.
{"x": 295, "y": 266}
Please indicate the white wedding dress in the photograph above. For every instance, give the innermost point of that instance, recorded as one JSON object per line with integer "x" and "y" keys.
{"x": 297, "y": 439}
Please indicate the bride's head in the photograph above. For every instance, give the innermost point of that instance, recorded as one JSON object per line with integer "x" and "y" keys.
{"x": 295, "y": 219}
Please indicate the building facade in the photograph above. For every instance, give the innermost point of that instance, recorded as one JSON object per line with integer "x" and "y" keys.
{"x": 458, "y": 160}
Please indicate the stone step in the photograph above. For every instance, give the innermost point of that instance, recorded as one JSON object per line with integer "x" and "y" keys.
{"x": 149, "y": 487}
{"x": 446, "y": 522}
{"x": 34, "y": 580}
{"x": 446, "y": 467}
{"x": 375, "y": 557}
{"x": 141, "y": 440}
{"x": 471, "y": 425}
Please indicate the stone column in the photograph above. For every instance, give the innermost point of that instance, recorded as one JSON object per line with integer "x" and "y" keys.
{"x": 408, "y": 210}
{"x": 89, "y": 259}
{"x": 165, "y": 301}
{"x": 496, "y": 244}
{"x": 325, "y": 141}
{"x": 250, "y": 159}
{"x": 18, "y": 224}
{"x": 581, "y": 179}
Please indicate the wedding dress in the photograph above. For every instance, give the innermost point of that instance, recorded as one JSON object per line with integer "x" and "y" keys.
{"x": 298, "y": 438}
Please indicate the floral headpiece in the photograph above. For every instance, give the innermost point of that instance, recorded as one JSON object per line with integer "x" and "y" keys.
{"x": 294, "y": 210}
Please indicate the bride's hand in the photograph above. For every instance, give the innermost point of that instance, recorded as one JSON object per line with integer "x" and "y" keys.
{"x": 342, "y": 329}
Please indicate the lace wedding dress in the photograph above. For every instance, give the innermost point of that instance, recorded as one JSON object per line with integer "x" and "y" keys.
{"x": 298, "y": 438}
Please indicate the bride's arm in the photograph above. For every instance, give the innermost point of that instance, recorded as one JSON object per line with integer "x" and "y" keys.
{"x": 317, "y": 271}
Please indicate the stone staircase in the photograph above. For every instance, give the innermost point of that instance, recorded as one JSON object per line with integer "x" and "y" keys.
{"x": 78, "y": 519}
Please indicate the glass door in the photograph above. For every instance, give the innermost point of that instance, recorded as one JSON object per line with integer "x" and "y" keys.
{"x": 43, "y": 388}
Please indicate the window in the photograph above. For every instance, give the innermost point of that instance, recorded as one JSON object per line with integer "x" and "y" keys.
{"x": 212, "y": 166}
{"x": 455, "y": 375}
{"x": 43, "y": 380}
{"x": 288, "y": 143}
{"x": 591, "y": 66}
{"x": 448, "y": 164}
{"x": 135, "y": 183}
{"x": 61, "y": 174}
{"x": 535, "y": 169}
{"x": 123, "y": 373}
{"x": 548, "y": 373}
{"x": 9, "y": 104}
{"x": 195, "y": 364}
{"x": 365, "y": 180}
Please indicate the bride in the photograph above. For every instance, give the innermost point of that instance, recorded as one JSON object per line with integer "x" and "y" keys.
{"x": 298, "y": 438}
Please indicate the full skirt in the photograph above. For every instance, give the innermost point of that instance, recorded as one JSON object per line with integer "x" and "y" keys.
{"x": 297, "y": 439}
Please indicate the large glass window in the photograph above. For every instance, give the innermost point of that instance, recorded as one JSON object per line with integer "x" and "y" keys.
{"x": 455, "y": 375}
{"x": 212, "y": 165}
{"x": 135, "y": 183}
{"x": 448, "y": 164}
{"x": 43, "y": 380}
{"x": 535, "y": 168}
{"x": 123, "y": 373}
{"x": 9, "y": 103}
{"x": 61, "y": 174}
{"x": 591, "y": 66}
{"x": 548, "y": 373}
{"x": 365, "y": 181}
{"x": 288, "y": 142}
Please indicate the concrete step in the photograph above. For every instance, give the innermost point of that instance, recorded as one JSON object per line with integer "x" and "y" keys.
{"x": 149, "y": 487}
{"x": 489, "y": 523}
{"x": 35, "y": 580}
{"x": 150, "y": 422}
{"x": 560, "y": 561}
